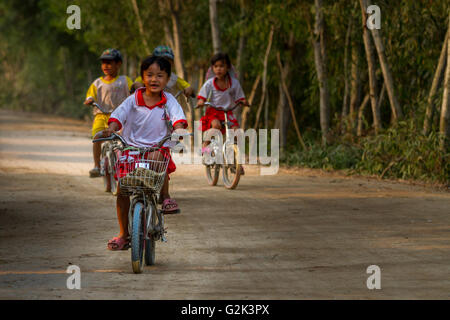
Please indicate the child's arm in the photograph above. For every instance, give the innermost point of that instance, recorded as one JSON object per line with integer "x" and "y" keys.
{"x": 239, "y": 96}
{"x": 186, "y": 87}
{"x": 91, "y": 95}
{"x": 176, "y": 113}
{"x": 202, "y": 94}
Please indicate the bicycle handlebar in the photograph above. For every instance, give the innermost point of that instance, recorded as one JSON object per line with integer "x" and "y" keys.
{"x": 115, "y": 136}
{"x": 98, "y": 106}
{"x": 220, "y": 108}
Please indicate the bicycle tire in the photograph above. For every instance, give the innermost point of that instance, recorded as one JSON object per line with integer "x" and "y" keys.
{"x": 106, "y": 176}
{"x": 231, "y": 183}
{"x": 104, "y": 168}
{"x": 212, "y": 174}
{"x": 150, "y": 244}
{"x": 111, "y": 172}
{"x": 137, "y": 238}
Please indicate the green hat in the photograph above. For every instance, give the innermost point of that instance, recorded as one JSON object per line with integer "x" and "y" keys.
{"x": 111, "y": 54}
{"x": 163, "y": 51}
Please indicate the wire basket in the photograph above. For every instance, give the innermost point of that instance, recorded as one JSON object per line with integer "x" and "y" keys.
{"x": 142, "y": 171}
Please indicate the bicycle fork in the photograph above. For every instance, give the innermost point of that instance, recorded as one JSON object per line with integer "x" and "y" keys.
{"x": 154, "y": 218}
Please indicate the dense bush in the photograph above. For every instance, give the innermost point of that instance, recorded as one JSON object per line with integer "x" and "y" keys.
{"x": 402, "y": 152}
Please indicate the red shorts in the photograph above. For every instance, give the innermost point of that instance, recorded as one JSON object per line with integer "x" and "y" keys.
{"x": 212, "y": 114}
{"x": 125, "y": 167}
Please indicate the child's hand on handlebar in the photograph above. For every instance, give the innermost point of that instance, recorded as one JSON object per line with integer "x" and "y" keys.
{"x": 200, "y": 103}
{"x": 104, "y": 133}
{"x": 189, "y": 92}
{"x": 244, "y": 103}
{"x": 88, "y": 101}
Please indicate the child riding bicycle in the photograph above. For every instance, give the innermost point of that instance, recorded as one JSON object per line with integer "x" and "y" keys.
{"x": 109, "y": 92}
{"x": 223, "y": 91}
{"x": 144, "y": 117}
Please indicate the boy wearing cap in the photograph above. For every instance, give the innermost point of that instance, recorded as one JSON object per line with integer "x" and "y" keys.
{"x": 109, "y": 92}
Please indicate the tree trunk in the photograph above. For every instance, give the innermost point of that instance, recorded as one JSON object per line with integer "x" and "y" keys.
{"x": 371, "y": 70}
{"x": 214, "y": 25}
{"x": 385, "y": 68}
{"x": 444, "y": 124}
{"x": 288, "y": 96}
{"x": 362, "y": 108}
{"x": 264, "y": 84}
{"x": 141, "y": 26}
{"x": 178, "y": 49}
{"x": 163, "y": 8}
{"x": 355, "y": 90}
{"x": 345, "y": 105}
{"x": 250, "y": 101}
{"x": 240, "y": 56}
{"x": 434, "y": 87}
{"x": 319, "y": 58}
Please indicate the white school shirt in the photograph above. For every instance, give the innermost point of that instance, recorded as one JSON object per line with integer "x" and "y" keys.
{"x": 145, "y": 126}
{"x": 225, "y": 98}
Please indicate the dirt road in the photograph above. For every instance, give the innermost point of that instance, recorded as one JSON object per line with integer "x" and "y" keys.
{"x": 295, "y": 235}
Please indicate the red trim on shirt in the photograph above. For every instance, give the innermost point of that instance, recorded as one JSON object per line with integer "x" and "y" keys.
{"x": 181, "y": 121}
{"x": 241, "y": 99}
{"x": 200, "y": 97}
{"x": 116, "y": 121}
{"x": 217, "y": 87}
{"x": 141, "y": 102}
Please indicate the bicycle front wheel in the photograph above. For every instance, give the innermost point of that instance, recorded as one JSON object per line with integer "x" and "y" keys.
{"x": 231, "y": 172}
{"x": 138, "y": 229}
{"x": 111, "y": 171}
{"x": 212, "y": 174}
{"x": 150, "y": 243}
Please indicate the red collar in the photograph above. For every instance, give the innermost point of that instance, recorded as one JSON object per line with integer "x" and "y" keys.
{"x": 217, "y": 87}
{"x": 140, "y": 99}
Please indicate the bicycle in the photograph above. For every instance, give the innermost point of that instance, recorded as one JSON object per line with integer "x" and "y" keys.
{"x": 141, "y": 175}
{"x": 231, "y": 166}
{"x": 108, "y": 157}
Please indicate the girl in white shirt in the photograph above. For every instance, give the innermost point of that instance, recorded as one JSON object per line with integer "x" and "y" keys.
{"x": 144, "y": 124}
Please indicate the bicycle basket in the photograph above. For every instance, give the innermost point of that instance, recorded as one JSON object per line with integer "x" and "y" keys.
{"x": 142, "y": 171}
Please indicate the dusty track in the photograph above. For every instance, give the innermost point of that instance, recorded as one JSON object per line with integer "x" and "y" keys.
{"x": 290, "y": 236}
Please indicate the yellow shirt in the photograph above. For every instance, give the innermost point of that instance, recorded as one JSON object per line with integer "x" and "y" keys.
{"x": 109, "y": 94}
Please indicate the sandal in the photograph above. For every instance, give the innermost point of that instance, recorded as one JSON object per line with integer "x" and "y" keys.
{"x": 95, "y": 173}
{"x": 169, "y": 206}
{"x": 117, "y": 243}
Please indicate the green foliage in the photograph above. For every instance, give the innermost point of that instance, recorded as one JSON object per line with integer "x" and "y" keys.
{"x": 401, "y": 153}
{"x": 405, "y": 153}
{"x": 332, "y": 157}
{"x": 47, "y": 68}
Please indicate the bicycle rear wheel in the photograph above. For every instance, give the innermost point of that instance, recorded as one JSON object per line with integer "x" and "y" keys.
{"x": 150, "y": 244}
{"x": 138, "y": 230}
{"x": 231, "y": 172}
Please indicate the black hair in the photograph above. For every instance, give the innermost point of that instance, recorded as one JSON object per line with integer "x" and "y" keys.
{"x": 161, "y": 62}
{"x": 221, "y": 57}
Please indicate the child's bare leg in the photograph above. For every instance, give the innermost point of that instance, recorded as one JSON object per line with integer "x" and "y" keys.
{"x": 123, "y": 206}
{"x": 165, "y": 189}
{"x": 96, "y": 150}
{"x": 215, "y": 124}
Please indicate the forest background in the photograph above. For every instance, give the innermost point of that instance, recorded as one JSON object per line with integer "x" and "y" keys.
{"x": 374, "y": 102}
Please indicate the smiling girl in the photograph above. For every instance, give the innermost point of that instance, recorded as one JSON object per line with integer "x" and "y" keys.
{"x": 144, "y": 121}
